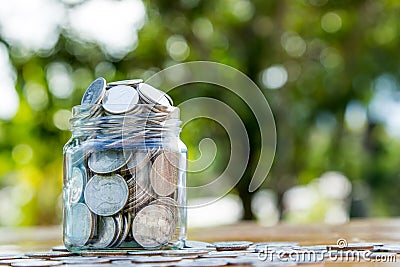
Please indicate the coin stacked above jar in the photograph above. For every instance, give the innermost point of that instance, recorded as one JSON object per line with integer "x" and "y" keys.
{"x": 124, "y": 170}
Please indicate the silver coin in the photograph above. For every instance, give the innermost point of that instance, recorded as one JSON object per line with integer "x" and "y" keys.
{"x": 184, "y": 252}
{"x": 49, "y": 254}
{"x": 106, "y": 195}
{"x": 153, "y": 226}
{"x": 146, "y": 253}
{"x": 127, "y": 227}
{"x": 152, "y": 95}
{"x": 36, "y": 263}
{"x": 234, "y": 245}
{"x": 79, "y": 225}
{"x": 95, "y": 92}
{"x": 153, "y": 259}
{"x": 107, "y": 231}
{"x": 107, "y": 161}
{"x": 119, "y": 220}
{"x": 171, "y": 204}
{"x": 138, "y": 159}
{"x": 76, "y": 184}
{"x": 60, "y": 248}
{"x": 203, "y": 263}
{"x": 222, "y": 254}
{"x": 120, "y": 99}
{"x": 126, "y": 82}
{"x": 164, "y": 173}
{"x": 197, "y": 244}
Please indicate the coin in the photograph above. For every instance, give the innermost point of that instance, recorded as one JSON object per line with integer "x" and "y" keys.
{"x": 154, "y": 259}
{"x": 106, "y": 195}
{"x": 126, "y": 82}
{"x": 152, "y": 95}
{"x": 60, "y": 248}
{"x": 222, "y": 254}
{"x": 95, "y": 92}
{"x": 146, "y": 253}
{"x": 197, "y": 244}
{"x": 36, "y": 263}
{"x": 153, "y": 226}
{"x": 120, "y": 99}
{"x": 184, "y": 252}
{"x": 84, "y": 260}
{"x": 127, "y": 227}
{"x": 235, "y": 245}
{"x": 119, "y": 220}
{"x": 106, "y": 161}
{"x": 138, "y": 159}
{"x": 80, "y": 225}
{"x": 171, "y": 204}
{"x": 107, "y": 231}
{"x": 352, "y": 246}
{"x": 164, "y": 173}
{"x": 76, "y": 184}
{"x": 48, "y": 254}
{"x": 203, "y": 263}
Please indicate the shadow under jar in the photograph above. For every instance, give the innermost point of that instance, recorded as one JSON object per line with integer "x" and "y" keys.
{"x": 124, "y": 179}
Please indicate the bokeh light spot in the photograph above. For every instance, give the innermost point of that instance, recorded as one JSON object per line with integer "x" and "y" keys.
{"x": 177, "y": 48}
{"x": 274, "y": 77}
{"x": 36, "y": 95}
{"x": 331, "y": 22}
{"x": 33, "y": 24}
{"x": 202, "y": 28}
{"x": 9, "y": 100}
{"x": 293, "y": 44}
{"x": 59, "y": 78}
{"x": 330, "y": 58}
{"x": 243, "y": 10}
{"x": 111, "y": 24}
{"x": 355, "y": 116}
{"x": 61, "y": 119}
{"x": 22, "y": 153}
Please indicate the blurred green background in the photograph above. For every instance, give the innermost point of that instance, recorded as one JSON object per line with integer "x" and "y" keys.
{"x": 329, "y": 69}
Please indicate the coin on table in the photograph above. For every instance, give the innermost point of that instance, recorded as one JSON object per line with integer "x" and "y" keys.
{"x": 36, "y": 263}
{"x": 152, "y": 226}
{"x": 234, "y": 245}
{"x": 107, "y": 161}
{"x": 95, "y": 92}
{"x": 49, "y": 254}
{"x": 106, "y": 195}
{"x": 164, "y": 173}
{"x": 107, "y": 232}
{"x": 197, "y": 244}
{"x": 76, "y": 184}
{"x": 152, "y": 95}
{"x": 203, "y": 263}
{"x": 120, "y": 99}
{"x": 126, "y": 82}
{"x": 60, "y": 248}
{"x": 154, "y": 259}
{"x": 79, "y": 225}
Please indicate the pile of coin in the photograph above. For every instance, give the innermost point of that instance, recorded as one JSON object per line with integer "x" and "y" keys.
{"x": 121, "y": 176}
{"x": 197, "y": 253}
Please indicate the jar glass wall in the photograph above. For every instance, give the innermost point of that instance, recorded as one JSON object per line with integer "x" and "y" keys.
{"x": 124, "y": 179}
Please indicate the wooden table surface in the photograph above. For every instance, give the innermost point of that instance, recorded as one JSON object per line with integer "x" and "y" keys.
{"x": 16, "y": 240}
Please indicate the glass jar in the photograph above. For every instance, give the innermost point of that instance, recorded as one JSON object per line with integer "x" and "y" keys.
{"x": 124, "y": 179}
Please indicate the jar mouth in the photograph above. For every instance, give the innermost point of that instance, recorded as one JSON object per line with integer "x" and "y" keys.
{"x": 146, "y": 120}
